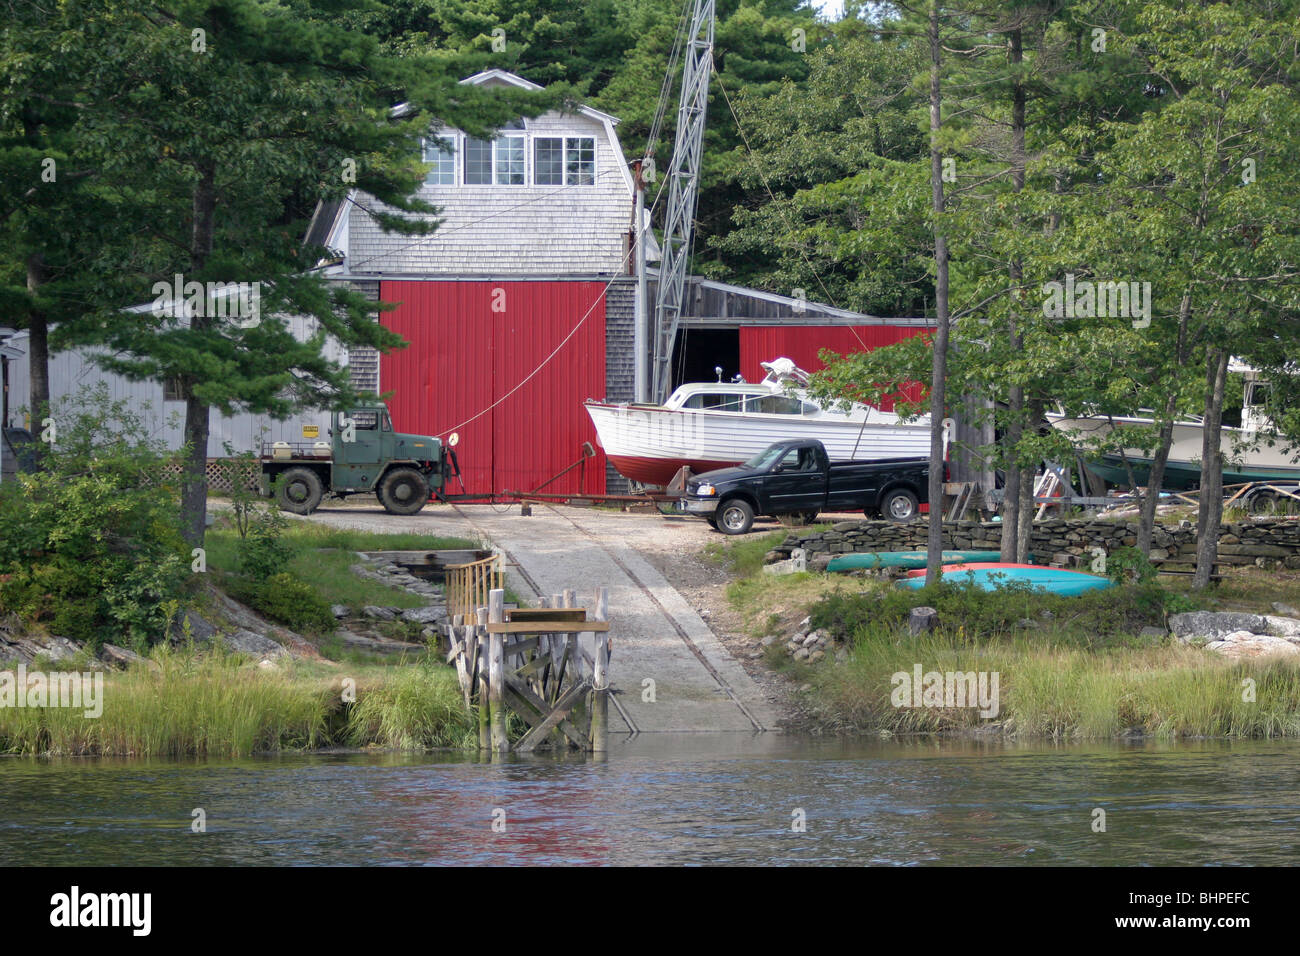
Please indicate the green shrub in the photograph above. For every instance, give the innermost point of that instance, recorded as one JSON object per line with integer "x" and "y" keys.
{"x": 262, "y": 549}
{"x": 91, "y": 545}
{"x": 288, "y": 600}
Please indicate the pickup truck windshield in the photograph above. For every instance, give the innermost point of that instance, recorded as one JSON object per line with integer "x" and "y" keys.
{"x": 765, "y": 458}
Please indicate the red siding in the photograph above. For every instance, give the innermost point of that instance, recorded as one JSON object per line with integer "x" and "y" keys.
{"x": 465, "y": 370}
{"x": 801, "y": 344}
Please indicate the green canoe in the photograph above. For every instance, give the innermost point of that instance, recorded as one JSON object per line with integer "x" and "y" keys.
{"x": 903, "y": 559}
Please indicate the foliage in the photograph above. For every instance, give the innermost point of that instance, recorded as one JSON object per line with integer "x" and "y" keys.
{"x": 90, "y": 546}
{"x": 1129, "y": 565}
{"x": 288, "y": 600}
{"x": 263, "y": 550}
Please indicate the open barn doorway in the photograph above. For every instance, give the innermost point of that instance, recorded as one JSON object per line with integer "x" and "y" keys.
{"x": 699, "y": 352}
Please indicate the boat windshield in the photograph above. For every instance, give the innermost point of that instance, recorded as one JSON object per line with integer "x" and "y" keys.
{"x": 766, "y": 458}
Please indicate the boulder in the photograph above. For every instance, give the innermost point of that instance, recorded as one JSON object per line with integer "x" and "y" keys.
{"x": 247, "y": 642}
{"x": 340, "y": 610}
{"x": 378, "y": 613}
{"x": 1214, "y": 625}
{"x": 432, "y": 614}
{"x": 1240, "y": 645}
{"x": 192, "y": 625}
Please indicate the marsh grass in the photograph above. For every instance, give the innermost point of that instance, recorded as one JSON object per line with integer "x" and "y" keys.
{"x": 213, "y": 704}
{"x": 1060, "y": 690}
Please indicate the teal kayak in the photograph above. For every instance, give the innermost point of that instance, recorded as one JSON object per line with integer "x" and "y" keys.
{"x": 903, "y": 559}
{"x": 1053, "y": 580}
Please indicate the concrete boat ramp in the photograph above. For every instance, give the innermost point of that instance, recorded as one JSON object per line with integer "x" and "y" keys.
{"x": 669, "y": 672}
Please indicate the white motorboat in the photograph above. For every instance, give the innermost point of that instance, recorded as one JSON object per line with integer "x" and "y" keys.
{"x": 716, "y": 425}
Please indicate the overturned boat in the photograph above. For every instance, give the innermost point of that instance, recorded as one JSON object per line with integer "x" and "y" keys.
{"x": 712, "y": 425}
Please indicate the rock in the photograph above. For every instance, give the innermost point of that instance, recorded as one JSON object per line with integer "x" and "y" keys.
{"x": 1240, "y": 645}
{"x": 841, "y": 656}
{"x": 378, "y": 613}
{"x": 802, "y": 654}
{"x": 119, "y": 656}
{"x": 1287, "y": 609}
{"x": 246, "y": 642}
{"x": 922, "y": 619}
{"x": 816, "y": 656}
{"x": 805, "y": 624}
{"x": 191, "y": 625}
{"x": 1287, "y": 627}
{"x": 432, "y": 614}
{"x": 1214, "y": 626}
{"x": 770, "y": 640}
{"x": 340, "y": 610}
{"x": 811, "y": 639}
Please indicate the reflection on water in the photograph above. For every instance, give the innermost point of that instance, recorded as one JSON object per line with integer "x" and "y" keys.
{"x": 725, "y": 799}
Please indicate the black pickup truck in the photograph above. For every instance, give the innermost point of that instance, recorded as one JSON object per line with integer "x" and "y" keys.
{"x": 796, "y": 477}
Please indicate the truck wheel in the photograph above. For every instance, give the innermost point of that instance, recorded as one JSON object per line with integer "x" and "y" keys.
{"x": 300, "y": 491}
{"x": 403, "y": 491}
{"x": 735, "y": 516}
{"x": 899, "y": 505}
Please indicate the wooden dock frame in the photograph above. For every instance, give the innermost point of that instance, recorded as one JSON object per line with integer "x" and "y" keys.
{"x": 530, "y": 662}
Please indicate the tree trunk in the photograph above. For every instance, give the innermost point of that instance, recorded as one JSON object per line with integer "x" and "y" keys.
{"x": 38, "y": 347}
{"x": 1210, "y": 513}
{"x": 1011, "y": 487}
{"x": 1027, "y": 510}
{"x": 1156, "y": 480}
{"x": 194, "y": 482}
{"x": 939, "y": 365}
{"x": 1013, "y": 495}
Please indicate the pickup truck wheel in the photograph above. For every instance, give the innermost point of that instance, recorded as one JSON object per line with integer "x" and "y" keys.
{"x": 403, "y": 491}
{"x": 899, "y": 505}
{"x": 712, "y": 520}
{"x": 735, "y": 516}
{"x": 300, "y": 491}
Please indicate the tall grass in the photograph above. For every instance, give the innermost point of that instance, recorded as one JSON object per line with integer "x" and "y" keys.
{"x": 412, "y": 708}
{"x": 1058, "y": 689}
{"x": 219, "y": 705}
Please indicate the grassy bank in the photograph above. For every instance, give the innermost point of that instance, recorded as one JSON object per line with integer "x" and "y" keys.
{"x": 220, "y": 705}
{"x": 1068, "y": 668}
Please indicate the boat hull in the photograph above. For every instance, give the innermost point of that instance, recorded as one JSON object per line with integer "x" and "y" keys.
{"x": 649, "y": 443}
{"x": 901, "y": 559}
{"x": 1053, "y": 580}
{"x": 1183, "y": 470}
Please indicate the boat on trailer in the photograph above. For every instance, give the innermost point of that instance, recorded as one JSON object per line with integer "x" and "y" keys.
{"x": 1248, "y": 456}
{"x": 710, "y": 425}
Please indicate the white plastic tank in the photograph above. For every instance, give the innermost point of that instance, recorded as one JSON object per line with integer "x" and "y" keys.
{"x": 281, "y": 450}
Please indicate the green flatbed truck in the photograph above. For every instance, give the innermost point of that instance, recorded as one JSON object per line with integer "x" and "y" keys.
{"x": 364, "y": 455}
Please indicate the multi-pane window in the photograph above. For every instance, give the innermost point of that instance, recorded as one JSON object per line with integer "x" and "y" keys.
{"x": 478, "y": 162}
{"x": 548, "y": 161}
{"x": 579, "y": 161}
{"x": 499, "y": 161}
{"x": 564, "y": 161}
{"x": 443, "y": 161}
{"x": 509, "y": 160}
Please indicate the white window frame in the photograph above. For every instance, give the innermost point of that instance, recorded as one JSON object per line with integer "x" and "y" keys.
{"x": 564, "y": 158}
{"x": 455, "y": 140}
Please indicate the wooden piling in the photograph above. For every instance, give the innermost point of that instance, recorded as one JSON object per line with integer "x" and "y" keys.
{"x": 496, "y": 673}
{"x": 600, "y": 679}
{"x": 480, "y": 639}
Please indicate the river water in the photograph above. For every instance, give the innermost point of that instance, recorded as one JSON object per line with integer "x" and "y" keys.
{"x": 716, "y": 799}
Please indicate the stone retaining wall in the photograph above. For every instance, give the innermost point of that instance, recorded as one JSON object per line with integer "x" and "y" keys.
{"x": 1061, "y": 541}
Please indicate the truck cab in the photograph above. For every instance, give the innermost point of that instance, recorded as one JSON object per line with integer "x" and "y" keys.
{"x": 365, "y": 454}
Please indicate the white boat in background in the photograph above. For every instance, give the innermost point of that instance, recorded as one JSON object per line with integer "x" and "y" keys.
{"x": 1246, "y": 457}
{"x": 716, "y": 425}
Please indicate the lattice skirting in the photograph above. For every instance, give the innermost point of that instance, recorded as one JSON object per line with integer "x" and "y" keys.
{"x": 220, "y": 470}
